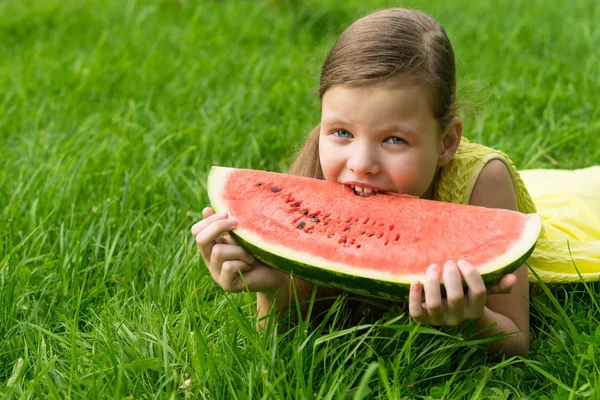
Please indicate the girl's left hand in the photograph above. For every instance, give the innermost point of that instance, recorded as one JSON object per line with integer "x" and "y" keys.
{"x": 458, "y": 306}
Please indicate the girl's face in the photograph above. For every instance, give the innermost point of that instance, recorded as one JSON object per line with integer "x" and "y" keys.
{"x": 380, "y": 138}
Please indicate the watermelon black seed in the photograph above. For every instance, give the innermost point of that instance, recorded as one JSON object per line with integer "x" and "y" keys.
{"x": 296, "y": 205}
{"x": 370, "y": 235}
{"x": 305, "y": 211}
{"x": 347, "y": 229}
{"x": 301, "y": 225}
{"x": 315, "y": 220}
{"x": 312, "y": 215}
{"x": 363, "y": 232}
{"x": 325, "y": 223}
{"x": 258, "y": 184}
{"x": 275, "y": 190}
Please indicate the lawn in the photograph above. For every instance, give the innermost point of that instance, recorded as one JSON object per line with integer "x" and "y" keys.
{"x": 113, "y": 111}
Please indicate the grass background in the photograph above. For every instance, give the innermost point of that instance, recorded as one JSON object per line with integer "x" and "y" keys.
{"x": 112, "y": 112}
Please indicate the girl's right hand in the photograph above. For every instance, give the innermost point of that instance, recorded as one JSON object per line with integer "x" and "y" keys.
{"x": 228, "y": 262}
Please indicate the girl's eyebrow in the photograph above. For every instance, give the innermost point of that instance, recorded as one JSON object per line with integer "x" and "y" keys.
{"x": 402, "y": 128}
{"x": 334, "y": 122}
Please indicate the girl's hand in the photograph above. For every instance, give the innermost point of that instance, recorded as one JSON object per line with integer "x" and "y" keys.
{"x": 232, "y": 267}
{"x": 458, "y": 306}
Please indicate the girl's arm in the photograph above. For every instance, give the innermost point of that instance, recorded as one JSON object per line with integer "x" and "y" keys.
{"x": 494, "y": 189}
{"x": 283, "y": 300}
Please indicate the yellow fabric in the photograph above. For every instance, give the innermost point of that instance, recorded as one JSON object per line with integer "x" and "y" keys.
{"x": 568, "y": 201}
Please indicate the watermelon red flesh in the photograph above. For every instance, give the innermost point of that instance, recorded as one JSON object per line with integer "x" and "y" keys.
{"x": 383, "y": 237}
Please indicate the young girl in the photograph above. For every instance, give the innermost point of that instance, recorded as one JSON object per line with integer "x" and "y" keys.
{"x": 389, "y": 124}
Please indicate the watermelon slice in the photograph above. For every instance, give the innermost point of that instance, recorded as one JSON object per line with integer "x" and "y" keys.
{"x": 376, "y": 246}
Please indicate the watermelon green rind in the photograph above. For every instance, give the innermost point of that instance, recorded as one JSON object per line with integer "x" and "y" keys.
{"x": 351, "y": 283}
{"x": 381, "y": 289}
{"x": 357, "y": 280}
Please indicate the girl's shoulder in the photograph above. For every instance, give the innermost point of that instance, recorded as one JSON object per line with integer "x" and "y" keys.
{"x": 469, "y": 153}
{"x": 457, "y": 178}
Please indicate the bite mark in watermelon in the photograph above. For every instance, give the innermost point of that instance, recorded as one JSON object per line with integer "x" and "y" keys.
{"x": 376, "y": 246}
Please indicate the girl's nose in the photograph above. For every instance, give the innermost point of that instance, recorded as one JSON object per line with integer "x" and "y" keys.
{"x": 363, "y": 162}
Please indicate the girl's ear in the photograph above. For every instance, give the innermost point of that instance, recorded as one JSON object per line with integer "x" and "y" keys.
{"x": 450, "y": 141}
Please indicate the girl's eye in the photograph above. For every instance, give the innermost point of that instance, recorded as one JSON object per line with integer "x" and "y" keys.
{"x": 395, "y": 140}
{"x": 342, "y": 133}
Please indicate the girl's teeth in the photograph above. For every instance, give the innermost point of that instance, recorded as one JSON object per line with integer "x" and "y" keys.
{"x": 362, "y": 190}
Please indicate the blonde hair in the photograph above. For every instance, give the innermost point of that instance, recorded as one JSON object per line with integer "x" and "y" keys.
{"x": 379, "y": 48}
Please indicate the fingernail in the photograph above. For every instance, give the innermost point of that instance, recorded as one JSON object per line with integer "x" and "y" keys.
{"x": 416, "y": 287}
{"x": 433, "y": 269}
{"x": 232, "y": 222}
{"x": 449, "y": 264}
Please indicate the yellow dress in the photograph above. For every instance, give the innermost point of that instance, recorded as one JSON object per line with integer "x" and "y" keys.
{"x": 567, "y": 200}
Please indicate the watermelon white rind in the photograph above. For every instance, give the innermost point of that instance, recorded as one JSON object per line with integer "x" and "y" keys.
{"x": 304, "y": 259}
{"x": 371, "y": 287}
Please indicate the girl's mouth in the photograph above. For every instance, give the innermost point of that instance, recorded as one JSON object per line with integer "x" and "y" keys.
{"x": 363, "y": 191}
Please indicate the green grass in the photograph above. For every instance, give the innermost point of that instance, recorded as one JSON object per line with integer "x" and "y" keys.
{"x": 112, "y": 112}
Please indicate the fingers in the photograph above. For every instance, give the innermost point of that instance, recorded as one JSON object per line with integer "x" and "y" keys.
{"x": 505, "y": 286}
{"x": 415, "y": 304}
{"x": 455, "y": 295}
{"x": 228, "y": 252}
{"x": 227, "y": 262}
{"x": 207, "y": 212}
{"x": 229, "y": 240}
{"x": 456, "y": 307}
{"x": 433, "y": 295}
{"x": 207, "y": 237}
{"x": 232, "y": 267}
{"x": 263, "y": 278}
{"x": 477, "y": 296}
{"x": 200, "y": 225}
{"x": 238, "y": 275}
{"x": 232, "y": 276}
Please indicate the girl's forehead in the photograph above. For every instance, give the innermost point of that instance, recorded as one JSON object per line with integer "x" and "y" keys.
{"x": 406, "y": 81}
{"x": 404, "y": 97}
{"x": 402, "y": 107}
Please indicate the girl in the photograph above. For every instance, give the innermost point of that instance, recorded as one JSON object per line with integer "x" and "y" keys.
{"x": 389, "y": 124}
